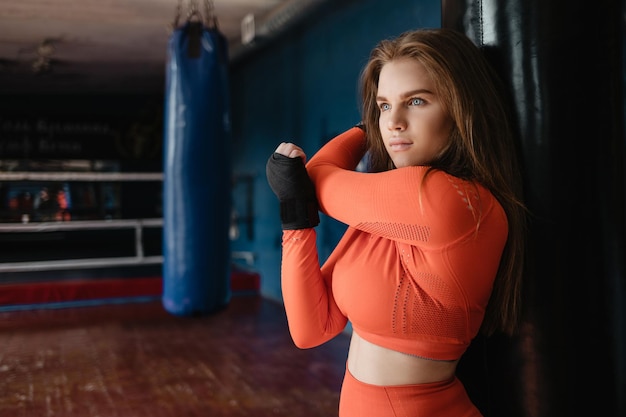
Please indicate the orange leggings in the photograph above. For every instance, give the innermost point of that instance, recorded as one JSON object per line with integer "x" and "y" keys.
{"x": 439, "y": 399}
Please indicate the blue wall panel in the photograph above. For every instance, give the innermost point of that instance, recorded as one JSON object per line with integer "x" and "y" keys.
{"x": 303, "y": 87}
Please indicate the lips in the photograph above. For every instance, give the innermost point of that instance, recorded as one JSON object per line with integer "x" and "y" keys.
{"x": 398, "y": 144}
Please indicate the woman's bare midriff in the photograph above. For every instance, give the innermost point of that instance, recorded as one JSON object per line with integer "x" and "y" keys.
{"x": 377, "y": 365}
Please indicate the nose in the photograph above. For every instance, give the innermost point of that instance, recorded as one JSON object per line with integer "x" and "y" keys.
{"x": 396, "y": 120}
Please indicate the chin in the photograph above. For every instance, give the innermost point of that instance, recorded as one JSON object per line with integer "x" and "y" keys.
{"x": 401, "y": 163}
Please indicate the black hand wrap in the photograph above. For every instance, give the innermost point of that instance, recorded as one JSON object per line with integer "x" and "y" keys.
{"x": 291, "y": 183}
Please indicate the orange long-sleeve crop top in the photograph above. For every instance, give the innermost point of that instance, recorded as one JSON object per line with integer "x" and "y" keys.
{"x": 413, "y": 271}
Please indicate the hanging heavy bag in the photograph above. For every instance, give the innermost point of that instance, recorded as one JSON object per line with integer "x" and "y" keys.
{"x": 197, "y": 172}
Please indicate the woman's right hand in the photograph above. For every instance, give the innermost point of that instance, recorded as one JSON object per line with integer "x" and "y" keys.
{"x": 288, "y": 178}
{"x": 291, "y": 150}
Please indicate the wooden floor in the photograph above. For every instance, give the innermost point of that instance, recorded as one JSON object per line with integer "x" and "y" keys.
{"x": 136, "y": 360}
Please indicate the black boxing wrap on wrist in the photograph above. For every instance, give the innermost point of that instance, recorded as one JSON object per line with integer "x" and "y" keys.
{"x": 291, "y": 183}
{"x": 299, "y": 214}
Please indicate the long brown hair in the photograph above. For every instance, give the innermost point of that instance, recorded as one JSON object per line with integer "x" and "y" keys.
{"x": 481, "y": 148}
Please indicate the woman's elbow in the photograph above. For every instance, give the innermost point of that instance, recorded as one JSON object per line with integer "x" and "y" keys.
{"x": 303, "y": 341}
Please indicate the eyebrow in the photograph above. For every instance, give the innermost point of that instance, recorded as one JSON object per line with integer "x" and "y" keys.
{"x": 408, "y": 94}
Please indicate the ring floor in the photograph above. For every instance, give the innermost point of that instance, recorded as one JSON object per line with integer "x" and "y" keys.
{"x": 137, "y": 360}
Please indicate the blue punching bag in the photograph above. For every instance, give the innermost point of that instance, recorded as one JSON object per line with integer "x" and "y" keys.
{"x": 197, "y": 172}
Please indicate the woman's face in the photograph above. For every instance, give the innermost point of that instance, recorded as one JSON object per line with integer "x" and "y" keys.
{"x": 413, "y": 123}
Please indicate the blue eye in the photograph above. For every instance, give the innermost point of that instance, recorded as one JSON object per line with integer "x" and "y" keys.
{"x": 384, "y": 106}
{"x": 416, "y": 101}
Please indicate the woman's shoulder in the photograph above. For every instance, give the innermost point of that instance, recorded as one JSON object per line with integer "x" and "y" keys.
{"x": 456, "y": 198}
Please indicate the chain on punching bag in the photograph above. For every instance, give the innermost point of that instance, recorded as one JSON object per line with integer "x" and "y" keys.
{"x": 197, "y": 172}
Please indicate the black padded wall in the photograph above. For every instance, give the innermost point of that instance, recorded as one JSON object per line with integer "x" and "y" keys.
{"x": 563, "y": 67}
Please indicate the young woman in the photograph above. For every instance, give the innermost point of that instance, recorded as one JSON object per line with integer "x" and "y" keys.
{"x": 433, "y": 252}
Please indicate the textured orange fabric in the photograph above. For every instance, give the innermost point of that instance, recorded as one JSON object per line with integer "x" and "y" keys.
{"x": 439, "y": 399}
{"x": 415, "y": 268}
